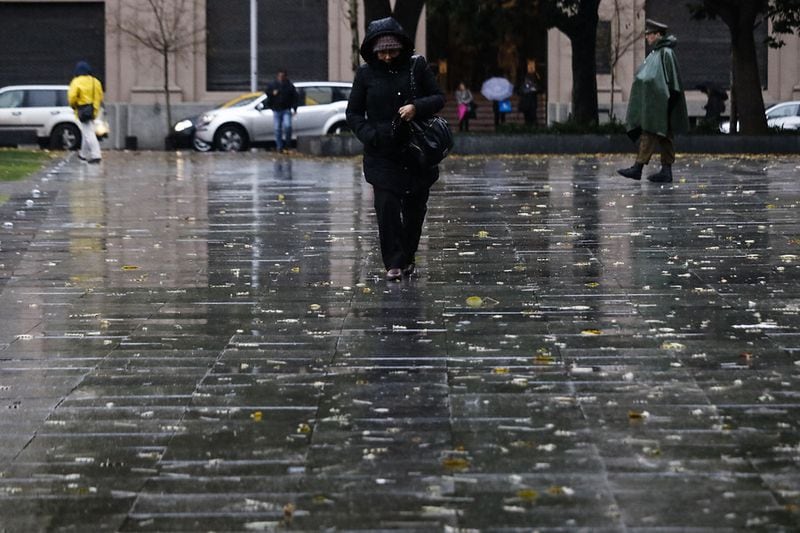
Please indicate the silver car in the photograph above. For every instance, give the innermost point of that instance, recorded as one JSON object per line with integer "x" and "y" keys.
{"x": 40, "y": 114}
{"x": 246, "y": 121}
{"x": 784, "y": 116}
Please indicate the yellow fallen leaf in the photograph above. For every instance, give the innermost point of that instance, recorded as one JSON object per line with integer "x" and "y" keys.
{"x": 500, "y": 370}
{"x": 474, "y": 301}
{"x": 130, "y": 267}
{"x": 314, "y": 307}
{"x": 527, "y": 495}
{"x": 673, "y": 346}
{"x": 281, "y": 197}
{"x": 256, "y": 416}
{"x": 592, "y": 284}
{"x": 303, "y": 428}
{"x": 483, "y": 234}
{"x": 295, "y": 270}
{"x": 591, "y": 332}
{"x": 455, "y": 463}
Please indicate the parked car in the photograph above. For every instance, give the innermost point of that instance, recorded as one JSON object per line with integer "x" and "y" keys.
{"x": 784, "y": 116}
{"x": 183, "y": 131}
{"x": 247, "y": 121}
{"x": 40, "y": 114}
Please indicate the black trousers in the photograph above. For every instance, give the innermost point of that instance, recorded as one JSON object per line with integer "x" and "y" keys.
{"x": 400, "y": 219}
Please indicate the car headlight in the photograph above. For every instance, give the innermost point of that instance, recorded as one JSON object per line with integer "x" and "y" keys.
{"x": 183, "y": 125}
{"x": 206, "y": 119}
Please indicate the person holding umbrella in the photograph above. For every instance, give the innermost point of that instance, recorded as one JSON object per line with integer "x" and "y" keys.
{"x": 498, "y": 90}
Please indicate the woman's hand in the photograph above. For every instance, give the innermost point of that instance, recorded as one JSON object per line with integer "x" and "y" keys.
{"x": 407, "y": 112}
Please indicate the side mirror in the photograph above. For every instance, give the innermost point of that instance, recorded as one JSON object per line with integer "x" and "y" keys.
{"x": 260, "y": 106}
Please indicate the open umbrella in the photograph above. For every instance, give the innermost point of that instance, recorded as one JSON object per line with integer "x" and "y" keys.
{"x": 497, "y": 89}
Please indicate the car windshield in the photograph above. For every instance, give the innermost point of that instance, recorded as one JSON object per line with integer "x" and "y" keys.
{"x": 242, "y": 100}
{"x": 787, "y": 110}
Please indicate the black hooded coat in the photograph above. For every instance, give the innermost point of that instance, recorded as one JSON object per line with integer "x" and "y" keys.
{"x": 379, "y": 90}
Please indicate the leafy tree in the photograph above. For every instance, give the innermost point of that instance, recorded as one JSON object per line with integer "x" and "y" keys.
{"x": 164, "y": 27}
{"x": 578, "y": 19}
{"x": 742, "y": 17}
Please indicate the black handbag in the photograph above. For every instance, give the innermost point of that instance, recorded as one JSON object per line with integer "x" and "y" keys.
{"x": 430, "y": 139}
{"x": 86, "y": 112}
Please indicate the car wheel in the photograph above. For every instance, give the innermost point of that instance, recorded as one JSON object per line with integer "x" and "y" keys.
{"x": 230, "y": 138}
{"x": 201, "y": 146}
{"x": 65, "y": 137}
{"x": 339, "y": 128}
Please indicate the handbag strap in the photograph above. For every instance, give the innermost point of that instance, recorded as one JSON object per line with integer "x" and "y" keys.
{"x": 411, "y": 77}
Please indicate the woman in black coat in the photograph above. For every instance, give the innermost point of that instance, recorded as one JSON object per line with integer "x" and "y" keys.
{"x": 381, "y": 105}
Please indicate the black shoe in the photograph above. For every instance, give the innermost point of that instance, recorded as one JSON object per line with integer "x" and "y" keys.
{"x": 662, "y": 176}
{"x": 394, "y": 274}
{"x": 95, "y": 161}
{"x": 634, "y": 172}
{"x": 409, "y": 270}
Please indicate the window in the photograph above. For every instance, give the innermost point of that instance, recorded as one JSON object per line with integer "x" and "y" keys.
{"x": 11, "y": 99}
{"x": 315, "y": 95}
{"x": 789, "y": 110}
{"x": 341, "y": 93}
{"x": 42, "y": 98}
{"x": 292, "y": 34}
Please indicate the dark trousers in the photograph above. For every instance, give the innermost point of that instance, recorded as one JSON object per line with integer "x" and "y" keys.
{"x": 400, "y": 219}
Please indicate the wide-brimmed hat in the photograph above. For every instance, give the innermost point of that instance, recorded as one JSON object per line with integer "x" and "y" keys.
{"x": 386, "y": 42}
{"x": 652, "y": 26}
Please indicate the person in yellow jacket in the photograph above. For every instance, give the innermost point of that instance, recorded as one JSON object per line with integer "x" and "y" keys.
{"x": 85, "y": 90}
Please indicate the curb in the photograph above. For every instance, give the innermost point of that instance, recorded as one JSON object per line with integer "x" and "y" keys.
{"x": 348, "y": 145}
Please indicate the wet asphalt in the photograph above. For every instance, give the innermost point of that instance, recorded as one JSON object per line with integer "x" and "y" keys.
{"x": 205, "y": 342}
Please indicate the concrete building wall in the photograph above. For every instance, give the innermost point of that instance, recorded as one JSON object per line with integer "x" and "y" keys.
{"x": 134, "y": 74}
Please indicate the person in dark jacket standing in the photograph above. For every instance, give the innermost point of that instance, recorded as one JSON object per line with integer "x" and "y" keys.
{"x": 283, "y": 99}
{"x": 381, "y": 105}
{"x": 657, "y": 106}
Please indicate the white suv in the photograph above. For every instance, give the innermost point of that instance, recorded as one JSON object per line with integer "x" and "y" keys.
{"x": 40, "y": 114}
{"x": 247, "y": 121}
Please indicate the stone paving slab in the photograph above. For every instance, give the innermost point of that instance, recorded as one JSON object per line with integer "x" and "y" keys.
{"x": 204, "y": 342}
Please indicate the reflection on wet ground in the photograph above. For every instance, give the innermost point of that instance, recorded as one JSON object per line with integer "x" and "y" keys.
{"x": 205, "y": 342}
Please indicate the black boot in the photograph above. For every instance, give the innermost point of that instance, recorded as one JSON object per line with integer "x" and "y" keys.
{"x": 634, "y": 172}
{"x": 662, "y": 176}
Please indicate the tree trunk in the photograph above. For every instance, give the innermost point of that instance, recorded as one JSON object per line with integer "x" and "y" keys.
{"x": 584, "y": 78}
{"x": 749, "y": 99}
{"x": 376, "y": 9}
{"x": 355, "y": 43}
{"x": 581, "y": 29}
{"x": 166, "y": 89}
{"x": 407, "y": 13}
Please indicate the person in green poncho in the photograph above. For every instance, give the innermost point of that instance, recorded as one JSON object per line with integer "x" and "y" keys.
{"x": 657, "y": 106}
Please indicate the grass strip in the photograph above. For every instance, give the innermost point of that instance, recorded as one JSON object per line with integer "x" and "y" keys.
{"x": 18, "y": 164}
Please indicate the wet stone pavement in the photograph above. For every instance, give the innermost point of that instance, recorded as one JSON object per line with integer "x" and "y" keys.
{"x": 194, "y": 342}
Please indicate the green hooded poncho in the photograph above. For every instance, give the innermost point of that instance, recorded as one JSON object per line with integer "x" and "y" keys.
{"x": 657, "y": 103}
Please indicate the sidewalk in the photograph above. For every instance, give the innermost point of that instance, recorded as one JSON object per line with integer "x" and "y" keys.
{"x": 198, "y": 342}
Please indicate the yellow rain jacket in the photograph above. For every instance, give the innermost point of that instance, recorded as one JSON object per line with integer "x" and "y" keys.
{"x": 84, "y": 90}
